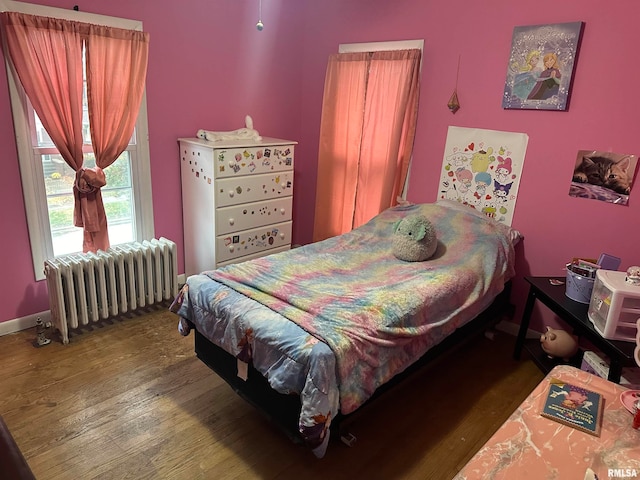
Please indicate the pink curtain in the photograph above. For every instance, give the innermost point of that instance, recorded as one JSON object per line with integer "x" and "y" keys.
{"x": 340, "y": 142}
{"x": 366, "y": 140}
{"x": 47, "y": 55}
{"x": 116, "y": 70}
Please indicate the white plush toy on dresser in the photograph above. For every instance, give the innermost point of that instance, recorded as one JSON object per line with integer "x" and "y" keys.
{"x": 247, "y": 133}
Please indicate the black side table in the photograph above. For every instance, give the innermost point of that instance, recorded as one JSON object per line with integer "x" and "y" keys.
{"x": 620, "y": 353}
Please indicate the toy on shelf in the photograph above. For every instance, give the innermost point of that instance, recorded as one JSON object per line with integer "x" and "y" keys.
{"x": 558, "y": 343}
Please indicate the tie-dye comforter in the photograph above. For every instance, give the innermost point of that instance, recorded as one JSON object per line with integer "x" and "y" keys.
{"x": 334, "y": 320}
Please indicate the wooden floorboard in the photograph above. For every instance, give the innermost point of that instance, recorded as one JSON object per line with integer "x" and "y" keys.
{"x": 129, "y": 400}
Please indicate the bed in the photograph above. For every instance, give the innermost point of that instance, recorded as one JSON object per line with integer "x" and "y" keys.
{"x": 311, "y": 334}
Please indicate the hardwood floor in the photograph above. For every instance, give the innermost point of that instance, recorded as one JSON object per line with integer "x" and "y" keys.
{"x": 131, "y": 400}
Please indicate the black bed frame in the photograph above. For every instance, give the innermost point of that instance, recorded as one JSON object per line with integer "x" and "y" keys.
{"x": 284, "y": 410}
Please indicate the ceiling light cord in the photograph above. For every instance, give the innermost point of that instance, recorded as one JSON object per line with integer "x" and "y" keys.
{"x": 260, "y": 25}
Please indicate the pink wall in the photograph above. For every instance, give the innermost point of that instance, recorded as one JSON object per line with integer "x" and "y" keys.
{"x": 602, "y": 116}
{"x": 209, "y": 67}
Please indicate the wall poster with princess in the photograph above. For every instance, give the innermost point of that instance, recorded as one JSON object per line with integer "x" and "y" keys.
{"x": 482, "y": 169}
{"x": 541, "y": 66}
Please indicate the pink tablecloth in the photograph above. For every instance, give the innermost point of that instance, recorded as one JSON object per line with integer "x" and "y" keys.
{"x": 531, "y": 446}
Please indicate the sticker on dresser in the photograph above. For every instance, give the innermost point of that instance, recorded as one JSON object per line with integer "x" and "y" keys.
{"x": 244, "y": 161}
{"x": 252, "y": 188}
{"x": 243, "y": 216}
{"x": 251, "y": 241}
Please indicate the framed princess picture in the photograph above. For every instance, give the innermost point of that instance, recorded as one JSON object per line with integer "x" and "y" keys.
{"x": 541, "y": 66}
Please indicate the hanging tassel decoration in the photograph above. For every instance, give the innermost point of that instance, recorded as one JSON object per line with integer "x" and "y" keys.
{"x": 454, "y": 103}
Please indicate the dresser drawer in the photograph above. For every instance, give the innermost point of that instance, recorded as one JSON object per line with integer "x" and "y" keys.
{"x": 253, "y": 188}
{"x": 251, "y": 215}
{"x": 232, "y": 162}
{"x": 248, "y": 242}
{"x": 264, "y": 253}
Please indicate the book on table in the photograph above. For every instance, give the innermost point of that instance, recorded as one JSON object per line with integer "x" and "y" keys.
{"x": 574, "y": 406}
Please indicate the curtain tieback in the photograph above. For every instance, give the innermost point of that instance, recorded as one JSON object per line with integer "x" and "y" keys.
{"x": 86, "y": 188}
{"x": 88, "y": 180}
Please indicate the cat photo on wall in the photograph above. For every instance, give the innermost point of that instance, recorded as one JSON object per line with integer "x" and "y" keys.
{"x": 603, "y": 176}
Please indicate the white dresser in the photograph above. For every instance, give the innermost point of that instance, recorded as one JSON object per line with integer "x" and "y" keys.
{"x": 237, "y": 200}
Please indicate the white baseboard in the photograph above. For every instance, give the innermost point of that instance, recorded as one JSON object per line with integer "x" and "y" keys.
{"x": 23, "y": 323}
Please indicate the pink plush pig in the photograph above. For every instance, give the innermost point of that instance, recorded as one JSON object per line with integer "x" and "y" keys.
{"x": 558, "y": 343}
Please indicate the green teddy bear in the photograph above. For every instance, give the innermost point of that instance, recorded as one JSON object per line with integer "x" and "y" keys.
{"x": 414, "y": 239}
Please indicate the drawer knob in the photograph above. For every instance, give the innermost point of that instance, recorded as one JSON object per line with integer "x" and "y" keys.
{"x": 231, "y": 193}
{"x": 231, "y": 221}
{"x": 282, "y": 235}
{"x": 282, "y": 211}
{"x": 231, "y": 248}
{"x": 230, "y": 164}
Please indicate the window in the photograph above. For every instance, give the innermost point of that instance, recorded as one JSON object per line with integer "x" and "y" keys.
{"x": 58, "y": 181}
{"x": 47, "y": 180}
{"x": 380, "y": 46}
{"x": 369, "y": 113}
